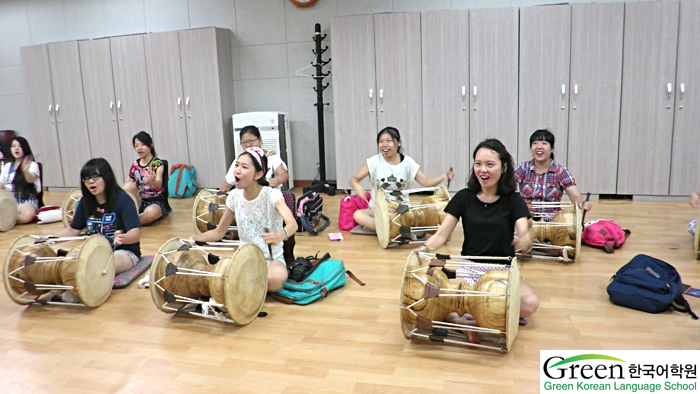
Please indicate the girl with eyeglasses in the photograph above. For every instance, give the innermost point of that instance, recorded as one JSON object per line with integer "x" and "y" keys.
{"x": 276, "y": 173}
{"x": 21, "y": 177}
{"x": 262, "y": 216}
{"x": 108, "y": 210}
{"x": 145, "y": 180}
{"x": 388, "y": 171}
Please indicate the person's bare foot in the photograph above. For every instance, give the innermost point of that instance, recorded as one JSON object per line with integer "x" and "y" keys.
{"x": 455, "y": 318}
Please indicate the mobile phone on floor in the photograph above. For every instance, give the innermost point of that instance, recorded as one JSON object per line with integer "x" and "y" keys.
{"x": 691, "y": 291}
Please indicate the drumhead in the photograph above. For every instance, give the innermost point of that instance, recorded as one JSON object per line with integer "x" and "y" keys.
{"x": 412, "y": 263}
{"x": 94, "y": 271}
{"x": 512, "y": 303}
{"x": 381, "y": 219}
{"x": 246, "y": 284}
{"x": 204, "y": 193}
{"x": 68, "y": 206}
{"x": 8, "y": 211}
{"x": 21, "y": 241}
{"x": 157, "y": 272}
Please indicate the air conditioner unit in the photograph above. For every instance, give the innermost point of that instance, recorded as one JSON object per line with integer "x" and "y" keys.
{"x": 275, "y": 133}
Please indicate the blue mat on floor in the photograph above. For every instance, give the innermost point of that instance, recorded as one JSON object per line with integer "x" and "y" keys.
{"x": 125, "y": 278}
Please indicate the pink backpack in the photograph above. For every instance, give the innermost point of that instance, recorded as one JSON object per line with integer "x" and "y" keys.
{"x": 604, "y": 234}
{"x": 348, "y": 206}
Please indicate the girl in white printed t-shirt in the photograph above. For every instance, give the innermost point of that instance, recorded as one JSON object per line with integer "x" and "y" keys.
{"x": 389, "y": 171}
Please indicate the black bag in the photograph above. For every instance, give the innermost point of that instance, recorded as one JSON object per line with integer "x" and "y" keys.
{"x": 650, "y": 285}
{"x": 309, "y": 213}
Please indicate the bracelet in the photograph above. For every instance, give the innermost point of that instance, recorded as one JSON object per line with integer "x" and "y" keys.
{"x": 285, "y": 231}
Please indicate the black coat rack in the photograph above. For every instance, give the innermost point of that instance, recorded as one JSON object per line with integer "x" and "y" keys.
{"x": 321, "y": 185}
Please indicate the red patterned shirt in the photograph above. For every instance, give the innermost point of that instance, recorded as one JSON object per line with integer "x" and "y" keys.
{"x": 547, "y": 187}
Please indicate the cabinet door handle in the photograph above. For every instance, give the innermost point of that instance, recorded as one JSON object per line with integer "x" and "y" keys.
{"x": 50, "y": 106}
{"x": 187, "y": 101}
{"x": 56, "y": 108}
{"x": 119, "y": 104}
{"x": 370, "y": 93}
{"x": 111, "y": 104}
{"x": 575, "y": 89}
{"x": 563, "y": 89}
{"x": 381, "y": 93}
{"x": 464, "y": 90}
{"x": 669, "y": 87}
{"x": 474, "y": 91}
{"x": 682, "y": 88}
{"x": 179, "y": 100}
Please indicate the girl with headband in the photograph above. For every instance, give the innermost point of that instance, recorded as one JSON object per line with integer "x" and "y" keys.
{"x": 260, "y": 211}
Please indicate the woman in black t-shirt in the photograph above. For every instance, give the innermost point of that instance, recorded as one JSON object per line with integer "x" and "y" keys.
{"x": 489, "y": 209}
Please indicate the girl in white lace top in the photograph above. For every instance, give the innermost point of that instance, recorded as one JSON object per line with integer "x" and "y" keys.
{"x": 260, "y": 212}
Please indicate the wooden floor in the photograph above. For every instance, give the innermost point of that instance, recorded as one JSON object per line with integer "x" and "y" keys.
{"x": 350, "y": 342}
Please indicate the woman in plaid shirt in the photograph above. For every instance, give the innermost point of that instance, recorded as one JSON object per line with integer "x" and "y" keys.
{"x": 542, "y": 179}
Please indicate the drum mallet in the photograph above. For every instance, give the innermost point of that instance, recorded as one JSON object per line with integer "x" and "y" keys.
{"x": 448, "y": 178}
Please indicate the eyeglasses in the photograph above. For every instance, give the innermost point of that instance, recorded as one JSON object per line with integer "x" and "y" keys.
{"x": 249, "y": 142}
{"x": 92, "y": 177}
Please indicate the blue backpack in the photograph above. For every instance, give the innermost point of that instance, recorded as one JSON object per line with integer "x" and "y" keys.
{"x": 650, "y": 285}
{"x": 326, "y": 276}
{"x": 182, "y": 181}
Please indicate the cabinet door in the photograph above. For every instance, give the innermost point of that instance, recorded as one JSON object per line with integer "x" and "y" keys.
{"x": 40, "y": 110}
{"x": 72, "y": 129}
{"x": 685, "y": 161}
{"x": 131, "y": 88}
{"x": 545, "y": 38}
{"x": 445, "y": 53}
{"x": 648, "y": 80}
{"x": 200, "y": 62}
{"x": 595, "y": 88}
{"x": 493, "y": 55}
{"x": 100, "y": 105}
{"x": 398, "y": 65}
{"x": 354, "y": 95}
{"x": 165, "y": 96}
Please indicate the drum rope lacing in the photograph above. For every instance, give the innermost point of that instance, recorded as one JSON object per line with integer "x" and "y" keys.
{"x": 455, "y": 326}
{"x": 207, "y": 306}
{"x": 39, "y": 287}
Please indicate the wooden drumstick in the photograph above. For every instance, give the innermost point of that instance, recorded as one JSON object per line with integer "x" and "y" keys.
{"x": 448, "y": 178}
{"x": 114, "y": 248}
{"x": 583, "y": 217}
{"x": 267, "y": 230}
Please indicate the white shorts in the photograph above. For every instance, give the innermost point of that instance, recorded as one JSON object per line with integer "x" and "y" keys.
{"x": 134, "y": 258}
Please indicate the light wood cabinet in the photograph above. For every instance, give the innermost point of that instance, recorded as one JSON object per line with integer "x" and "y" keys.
{"x": 207, "y": 82}
{"x": 445, "y": 54}
{"x": 71, "y": 124}
{"x": 131, "y": 91}
{"x": 354, "y": 95}
{"x": 685, "y": 160}
{"x": 595, "y": 88}
{"x": 397, "y": 42}
{"x": 100, "y": 103}
{"x": 38, "y": 92}
{"x": 545, "y": 40}
{"x": 493, "y": 68}
{"x": 166, "y": 96}
{"x": 648, "y": 92}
